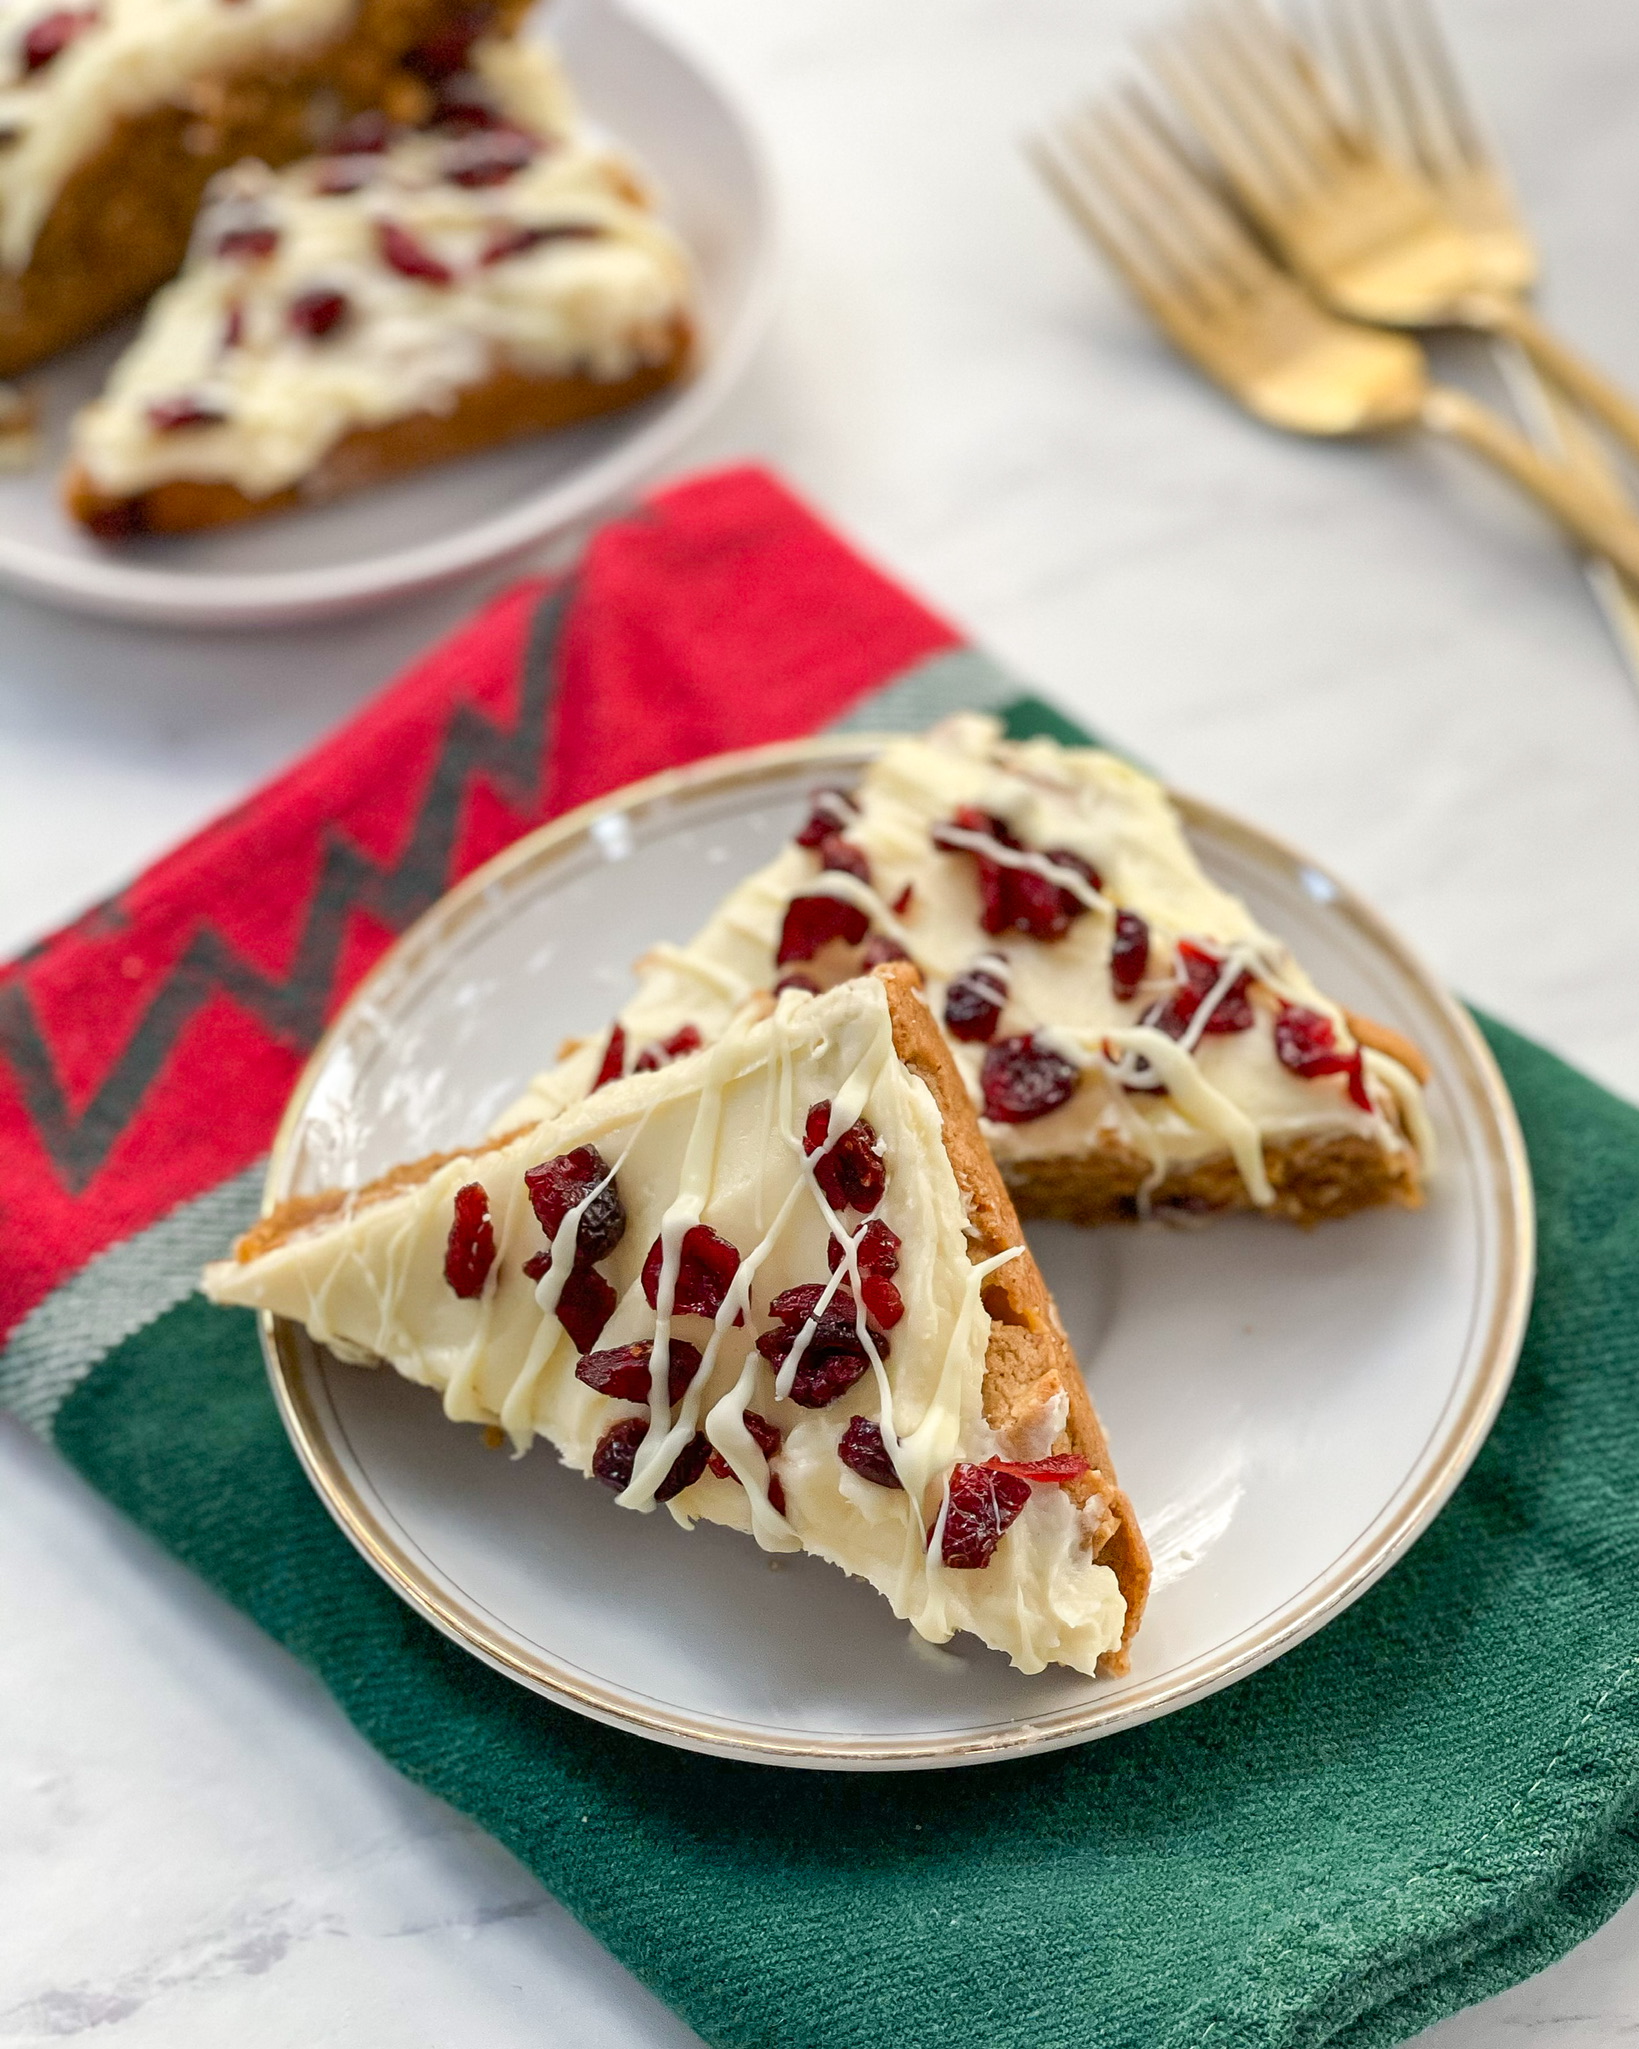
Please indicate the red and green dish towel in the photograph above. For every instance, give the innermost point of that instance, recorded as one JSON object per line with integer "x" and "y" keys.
{"x": 1434, "y": 1797}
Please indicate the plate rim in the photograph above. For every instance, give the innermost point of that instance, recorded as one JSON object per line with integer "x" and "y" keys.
{"x": 290, "y": 597}
{"x": 1383, "y": 1542}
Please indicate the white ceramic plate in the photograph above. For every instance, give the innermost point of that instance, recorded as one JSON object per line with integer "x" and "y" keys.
{"x": 1288, "y": 1410}
{"x": 488, "y": 508}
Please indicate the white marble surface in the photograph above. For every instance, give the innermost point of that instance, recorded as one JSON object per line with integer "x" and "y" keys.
{"x": 1369, "y": 649}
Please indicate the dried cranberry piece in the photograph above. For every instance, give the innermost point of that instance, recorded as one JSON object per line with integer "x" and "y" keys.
{"x": 364, "y": 134}
{"x": 1018, "y": 899}
{"x": 797, "y": 980}
{"x": 616, "y": 1455}
{"x": 614, "y": 1060}
{"x": 766, "y": 1436}
{"x": 835, "y": 1355}
{"x": 862, "y": 1451}
{"x": 850, "y": 1170}
{"x": 1233, "y": 1012}
{"x": 973, "y": 1002}
{"x": 902, "y": 903}
{"x": 879, "y": 950}
{"x": 319, "y": 312}
{"x": 556, "y": 1186}
{"x": 585, "y": 1304}
{"x": 173, "y": 415}
{"x": 623, "y": 1374}
{"x": 1129, "y": 955}
{"x": 489, "y": 158}
{"x": 825, "y": 1377}
{"x": 1306, "y": 1043}
{"x": 233, "y": 328}
{"x": 1064, "y": 1465}
{"x": 844, "y": 857}
{"x": 884, "y": 1304}
{"x": 52, "y": 33}
{"x": 662, "y": 1052}
{"x": 811, "y": 921}
{"x": 442, "y": 55}
{"x": 876, "y": 1250}
{"x": 982, "y": 1506}
{"x": 464, "y": 103}
{"x": 507, "y": 240}
{"x": 470, "y": 1251}
{"x": 251, "y": 241}
{"x": 341, "y": 175}
{"x": 706, "y": 1268}
{"x": 832, "y": 810}
{"x": 1022, "y": 1080}
{"x": 401, "y": 251}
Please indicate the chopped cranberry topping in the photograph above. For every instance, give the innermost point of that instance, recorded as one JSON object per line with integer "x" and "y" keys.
{"x": 902, "y": 903}
{"x": 797, "y": 980}
{"x": 767, "y": 1438}
{"x": 810, "y": 921}
{"x": 614, "y": 1060}
{"x": 364, "y": 134}
{"x": 973, "y": 1002}
{"x": 1233, "y": 1011}
{"x": 556, "y": 1186}
{"x": 319, "y": 312}
{"x": 464, "y": 103}
{"x": 341, "y": 175}
{"x": 489, "y": 158}
{"x": 401, "y": 251}
{"x": 1306, "y": 1043}
{"x": 470, "y": 1251}
{"x": 252, "y": 240}
{"x": 850, "y": 1170}
{"x": 983, "y": 1504}
{"x": 835, "y": 1356}
{"x": 862, "y": 1451}
{"x": 884, "y": 1304}
{"x": 1017, "y": 899}
{"x": 832, "y": 810}
{"x": 1022, "y": 1080}
{"x": 1129, "y": 955}
{"x": 876, "y": 1250}
{"x": 1064, "y": 1465}
{"x": 172, "y": 415}
{"x": 507, "y": 240}
{"x": 616, "y": 1455}
{"x": 842, "y": 855}
{"x": 623, "y": 1374}
{"x": 879, "y": 950}
{"x": 442, "y": 55}
{"x": 686, "y": 1039}
{"x": 52, "y": 33}
{"x": 706, "y": 1268}
{"x": 585, "y": 1305}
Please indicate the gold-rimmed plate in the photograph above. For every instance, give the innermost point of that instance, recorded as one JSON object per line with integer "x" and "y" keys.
{"x": 1288, "y": 1410}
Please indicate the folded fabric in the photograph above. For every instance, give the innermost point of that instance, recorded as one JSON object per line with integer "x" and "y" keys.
{"x": 1434, "y": 1797}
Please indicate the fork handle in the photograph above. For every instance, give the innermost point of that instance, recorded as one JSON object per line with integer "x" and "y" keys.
{"x": 1585, "y": 511}
{"x": 1501, "y": 313}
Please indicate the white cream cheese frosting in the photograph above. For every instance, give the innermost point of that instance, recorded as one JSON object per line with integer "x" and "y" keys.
{"x": 352, "y": 290}
{"x": 718, "y": 1139}
{"x": 1223, "y": 1092}
{"x": 71, "y": 70}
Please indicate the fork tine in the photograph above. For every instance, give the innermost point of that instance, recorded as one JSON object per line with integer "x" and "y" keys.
{"x": 1403, "y": 105}
{"x": 1195, "y": 87}
{"x": 1445, "y": 81}
{"x": 1239, "y": 257}
{"x": 1340, "y": 40}
{"x": 1075, "y": 173}
{"x": 1290, "y": 82}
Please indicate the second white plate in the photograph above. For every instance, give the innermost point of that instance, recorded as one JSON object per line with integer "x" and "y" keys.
{"x": 486, "y": 509}
{"x": 1287, "y": 1410}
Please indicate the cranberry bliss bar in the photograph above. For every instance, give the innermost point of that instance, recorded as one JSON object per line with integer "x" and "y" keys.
{"x": 411, "y": 296}
{"x": 777, "y": 1284}
{"x": 1130, "y": 1036}
{"x": 114, "y": 114}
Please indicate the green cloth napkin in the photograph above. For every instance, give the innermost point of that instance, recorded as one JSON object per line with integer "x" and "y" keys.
{"x": 1431, "y": 1799}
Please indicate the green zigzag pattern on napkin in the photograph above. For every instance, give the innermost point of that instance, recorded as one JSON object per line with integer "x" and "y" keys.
{"x": 1434, "y": 1797}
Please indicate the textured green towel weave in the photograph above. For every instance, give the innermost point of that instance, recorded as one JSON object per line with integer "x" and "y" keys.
{"x": 1429, "y": 1800}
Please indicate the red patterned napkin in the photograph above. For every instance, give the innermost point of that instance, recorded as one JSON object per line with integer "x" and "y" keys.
{"x": 147, "y": 1050}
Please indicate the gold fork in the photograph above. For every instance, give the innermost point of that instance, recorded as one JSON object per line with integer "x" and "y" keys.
{"x": 1368, "y": 231}
{"x": 1257, "y": 332}
{"x": 1404, "y": 91}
